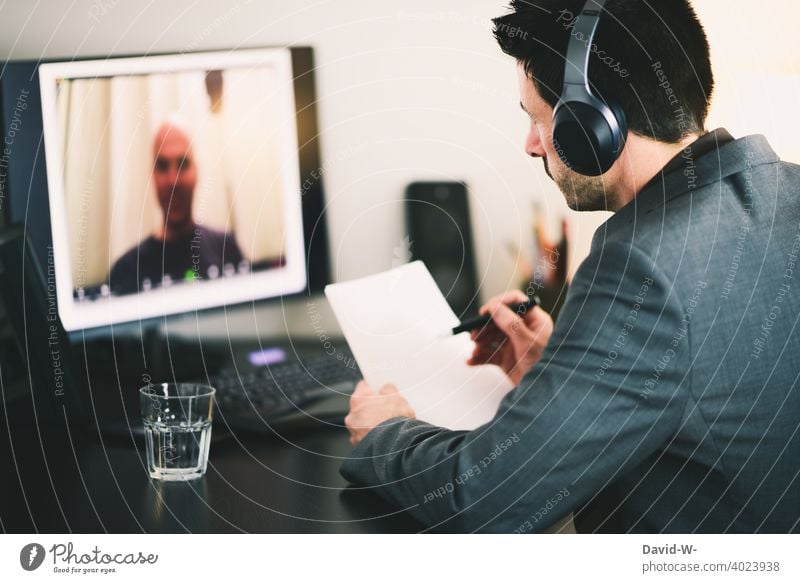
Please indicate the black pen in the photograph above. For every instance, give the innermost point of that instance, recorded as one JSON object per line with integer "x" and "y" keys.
{"x": 481, "y": 321}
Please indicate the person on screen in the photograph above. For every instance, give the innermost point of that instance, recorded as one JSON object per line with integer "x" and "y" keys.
{"x": 181, "y": 249}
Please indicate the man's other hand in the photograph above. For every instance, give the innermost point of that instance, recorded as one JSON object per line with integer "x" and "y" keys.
{"x": 513, "y": 342}
{"x": 369, "y": 409}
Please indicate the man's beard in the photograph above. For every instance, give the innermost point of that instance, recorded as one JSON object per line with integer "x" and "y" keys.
{"x": 547, "y": 168}
{"x": 582, "y": 193}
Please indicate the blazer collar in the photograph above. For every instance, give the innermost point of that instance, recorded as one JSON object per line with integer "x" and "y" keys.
{"x": 710, "y": 159}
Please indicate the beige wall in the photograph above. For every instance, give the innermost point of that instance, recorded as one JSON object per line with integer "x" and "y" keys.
{"x": 757, "y": 64}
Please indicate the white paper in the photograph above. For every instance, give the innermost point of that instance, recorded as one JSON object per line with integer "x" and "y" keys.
{"x": 396, "y": 323}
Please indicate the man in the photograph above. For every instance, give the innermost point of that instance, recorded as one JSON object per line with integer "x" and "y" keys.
{"x": 181, "y": 250}
{"x": 665, "y": 399}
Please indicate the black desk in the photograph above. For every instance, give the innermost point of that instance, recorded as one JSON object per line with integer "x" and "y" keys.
{"x": 289, "y": 483}
{"x": 56, "y": 478}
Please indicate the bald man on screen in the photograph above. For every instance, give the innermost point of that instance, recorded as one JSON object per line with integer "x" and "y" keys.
{"x": 180, "y": 249}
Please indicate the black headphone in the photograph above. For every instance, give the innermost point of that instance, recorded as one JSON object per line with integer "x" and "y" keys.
{"x": 588, "y": 133}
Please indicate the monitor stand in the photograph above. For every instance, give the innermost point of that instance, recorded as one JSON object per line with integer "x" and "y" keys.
{"x": 112, "y": 365}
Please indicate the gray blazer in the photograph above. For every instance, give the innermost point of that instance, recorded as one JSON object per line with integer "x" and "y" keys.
{"x": 667, "y": 399}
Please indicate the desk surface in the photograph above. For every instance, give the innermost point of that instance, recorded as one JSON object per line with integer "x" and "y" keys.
{"x": 58, "y": 479}
{"x": 288, "y": 483}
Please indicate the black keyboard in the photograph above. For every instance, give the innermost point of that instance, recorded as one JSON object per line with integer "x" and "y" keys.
{"x": 252, "y": 397}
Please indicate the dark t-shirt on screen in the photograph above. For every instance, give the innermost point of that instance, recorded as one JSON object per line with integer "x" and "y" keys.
{"x": 188, "y": 257}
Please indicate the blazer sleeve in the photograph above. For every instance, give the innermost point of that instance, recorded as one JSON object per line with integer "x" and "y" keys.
{"x": 608, "y": 392}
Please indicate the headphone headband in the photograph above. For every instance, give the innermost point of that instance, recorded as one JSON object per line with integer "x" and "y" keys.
{"x": 576, "y": 71}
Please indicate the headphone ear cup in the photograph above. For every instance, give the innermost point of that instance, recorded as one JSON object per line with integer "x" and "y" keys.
{"x": 622, "y": 122}
{"x": 583, "y": 138}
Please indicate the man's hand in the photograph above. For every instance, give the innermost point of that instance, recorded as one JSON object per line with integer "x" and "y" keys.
{"x": 513, "y": 342}
{"x": 369, "y": 409}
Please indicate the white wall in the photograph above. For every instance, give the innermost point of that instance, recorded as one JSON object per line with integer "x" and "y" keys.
{"x": 407, "y": 91}
{"x": 756, "y": 62}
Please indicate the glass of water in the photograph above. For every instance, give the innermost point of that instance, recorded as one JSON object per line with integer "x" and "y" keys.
{"x": 177, "y": 427}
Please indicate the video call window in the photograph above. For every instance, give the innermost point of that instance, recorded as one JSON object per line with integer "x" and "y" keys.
{"x": 182, "y": 170}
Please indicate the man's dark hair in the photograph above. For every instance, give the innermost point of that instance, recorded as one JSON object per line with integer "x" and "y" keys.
{"x": 651, "y": 56}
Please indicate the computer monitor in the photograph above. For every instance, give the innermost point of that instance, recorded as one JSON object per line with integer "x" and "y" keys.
{"x": 181, "y": 182}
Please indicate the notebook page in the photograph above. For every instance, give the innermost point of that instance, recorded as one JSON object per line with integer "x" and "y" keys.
{"x": 395, "y": 323}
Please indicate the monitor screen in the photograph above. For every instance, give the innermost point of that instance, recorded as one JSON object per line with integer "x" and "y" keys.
{"x": 174, "y": 183}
